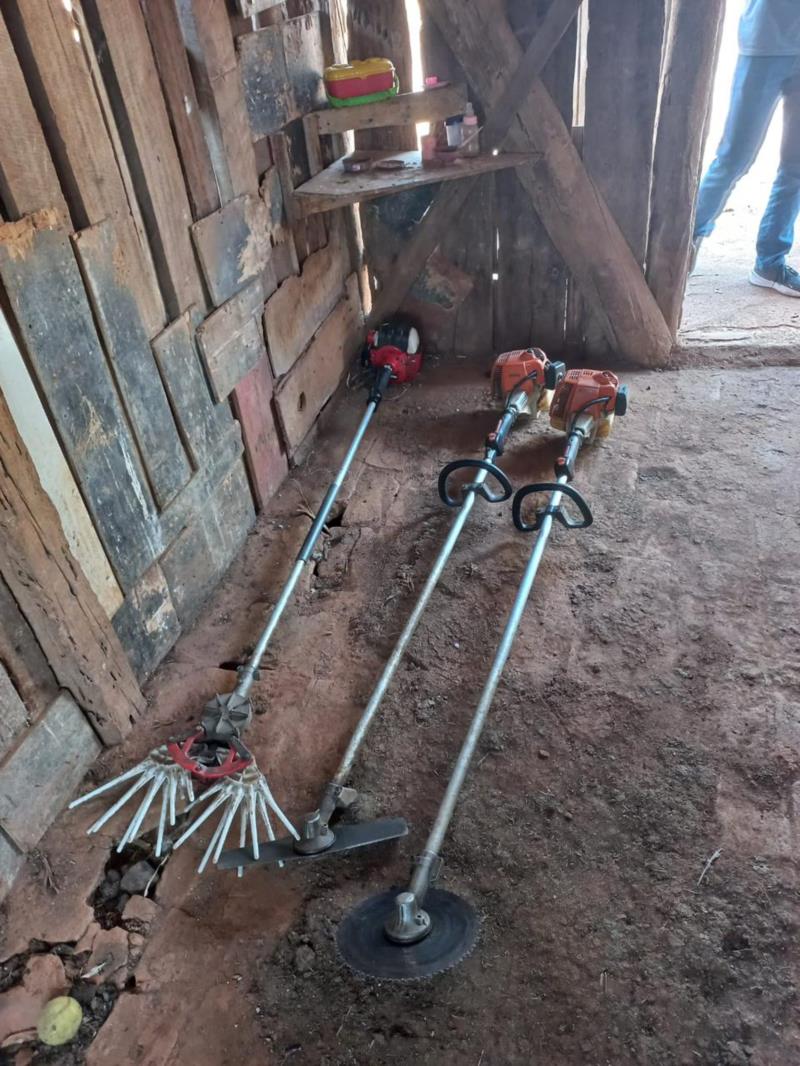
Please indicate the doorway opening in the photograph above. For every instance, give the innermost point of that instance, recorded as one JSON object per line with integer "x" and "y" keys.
{"x": 722, "y": 309}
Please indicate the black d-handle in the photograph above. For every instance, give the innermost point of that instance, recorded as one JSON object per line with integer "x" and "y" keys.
{"x": 557, "y": 512}
{"x": 482, "y": 490}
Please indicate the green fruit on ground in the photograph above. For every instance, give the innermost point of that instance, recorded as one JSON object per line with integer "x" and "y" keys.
{"x": 60, "y": 1021}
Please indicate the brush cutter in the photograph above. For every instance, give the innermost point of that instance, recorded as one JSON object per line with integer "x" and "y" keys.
{"x": 424, "y": 930}
{"x": 523, "y": 381}
{"x": 214, "y": 755}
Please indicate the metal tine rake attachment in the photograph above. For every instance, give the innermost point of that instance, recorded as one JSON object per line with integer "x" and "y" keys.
{"x": 215, "y": 757}
{"x": 424, "y": 930}
{"x": 523, "y": 381}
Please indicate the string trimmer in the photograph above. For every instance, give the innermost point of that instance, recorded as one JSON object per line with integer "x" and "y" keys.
{"x": 423, "y": 930}
{"x": 523, "y": 382}
{"x": 214, "y": 755}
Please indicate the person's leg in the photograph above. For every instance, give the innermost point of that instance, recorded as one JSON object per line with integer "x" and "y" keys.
{"x": 776, "y": 233}
{"x": 757, "y": 86}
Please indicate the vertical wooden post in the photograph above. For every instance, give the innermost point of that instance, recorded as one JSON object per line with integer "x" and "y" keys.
{"x": 692, "y": 49}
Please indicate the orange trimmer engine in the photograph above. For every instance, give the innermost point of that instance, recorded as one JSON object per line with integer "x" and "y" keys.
{"x": 528, "y": 369}
{"x": 523, "y": 382}
{"x": 584, "y": 406}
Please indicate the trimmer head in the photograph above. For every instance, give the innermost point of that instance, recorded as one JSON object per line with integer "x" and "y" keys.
{"x": 364, "y": 945}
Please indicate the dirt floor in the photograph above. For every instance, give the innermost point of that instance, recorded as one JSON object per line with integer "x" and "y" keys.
{"x": 648, "y": 721}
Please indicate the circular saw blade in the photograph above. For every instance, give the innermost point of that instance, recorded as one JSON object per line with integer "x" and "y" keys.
{"x": 366, "y": 949}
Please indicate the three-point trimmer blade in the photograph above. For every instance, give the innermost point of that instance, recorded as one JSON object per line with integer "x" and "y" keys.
{"x": 366, "y": 947}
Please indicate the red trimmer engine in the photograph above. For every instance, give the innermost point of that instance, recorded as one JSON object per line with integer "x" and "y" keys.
{"x": 394, "y": 344}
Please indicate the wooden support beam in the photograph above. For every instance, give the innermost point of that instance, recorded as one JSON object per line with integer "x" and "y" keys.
{"x": 570, "y": 206}
{"x": 695, "y": 33}
{"x": 56, "y": 598}
{"x": 450, "y": 200}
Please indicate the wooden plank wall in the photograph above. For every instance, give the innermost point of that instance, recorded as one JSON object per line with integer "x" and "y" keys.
{"x": 145, "y": 240}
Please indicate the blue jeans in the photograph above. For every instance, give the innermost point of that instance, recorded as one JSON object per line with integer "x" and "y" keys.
{"x": 758, "y": 84}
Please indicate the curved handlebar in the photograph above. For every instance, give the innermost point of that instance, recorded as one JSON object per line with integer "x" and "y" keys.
{"x": 482, "y": 490}
{"x": 557, "y": 512}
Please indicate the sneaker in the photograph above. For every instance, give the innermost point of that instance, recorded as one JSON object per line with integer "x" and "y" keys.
{"x": 783, "y": 279}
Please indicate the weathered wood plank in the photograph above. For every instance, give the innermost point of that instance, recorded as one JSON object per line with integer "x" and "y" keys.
{"x": 560, "y": 189}
{"x": 60, "y": 82}
{"x": 28, "y": 179}
{"x": 231, "y": 340}
{"x": 57, "y": 479}
{"x": 184, "y": 110}
{"x": 202, "y": 553}
{"x": 23, "y": 657}
{"x": 191, "y": 500}
{"x": 281, "y": 70}
{"x": 56, "y": 598}
{"x": 695, "y": 33}
{"x": 202, "y": 421}
{"x": 13, "y": 713}
{"x": 233, "y": 246}
{"x": 131, "y": 78}
{"x": 230, "y": 319}
{"x": 107, "y": 273}
{"x": 240, "y": 353}
{"x": 44, "y": 771}
{"x": 302, "y": 393}
{"x": 209, "y": 41}
{"x": 284, "y": 250}
{"x": 46, "y": 295}
{"x": 296, "y": 311}
{"x": 531, "y": 292}
{"x": 265, "y": 459}
{"x": 146, "y": 623}
{"x": 72, "y": 105}
{"x": 623, "y": 77}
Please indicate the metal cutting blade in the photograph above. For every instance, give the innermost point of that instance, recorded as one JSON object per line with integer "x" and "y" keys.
{"x": 365, "y": 948}
{"x": 348, "y": 838}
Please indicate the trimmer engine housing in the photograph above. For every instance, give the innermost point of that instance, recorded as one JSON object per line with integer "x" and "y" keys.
{"x": 594, "y": 396}
{"x": 528, "y": 369}
{"x": 395, "y": 344}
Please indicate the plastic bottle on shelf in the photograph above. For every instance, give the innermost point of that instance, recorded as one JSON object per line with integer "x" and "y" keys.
{"x": 453, "y": 128}
{"x": 470, "y": 137}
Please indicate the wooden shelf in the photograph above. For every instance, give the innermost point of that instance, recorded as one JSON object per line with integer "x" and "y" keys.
{"x": 405, "y": 109}
{"x": 335, "y": 187}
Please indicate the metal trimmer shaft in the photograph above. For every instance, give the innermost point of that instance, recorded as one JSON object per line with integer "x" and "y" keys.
{"x": 248, "y": 672}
